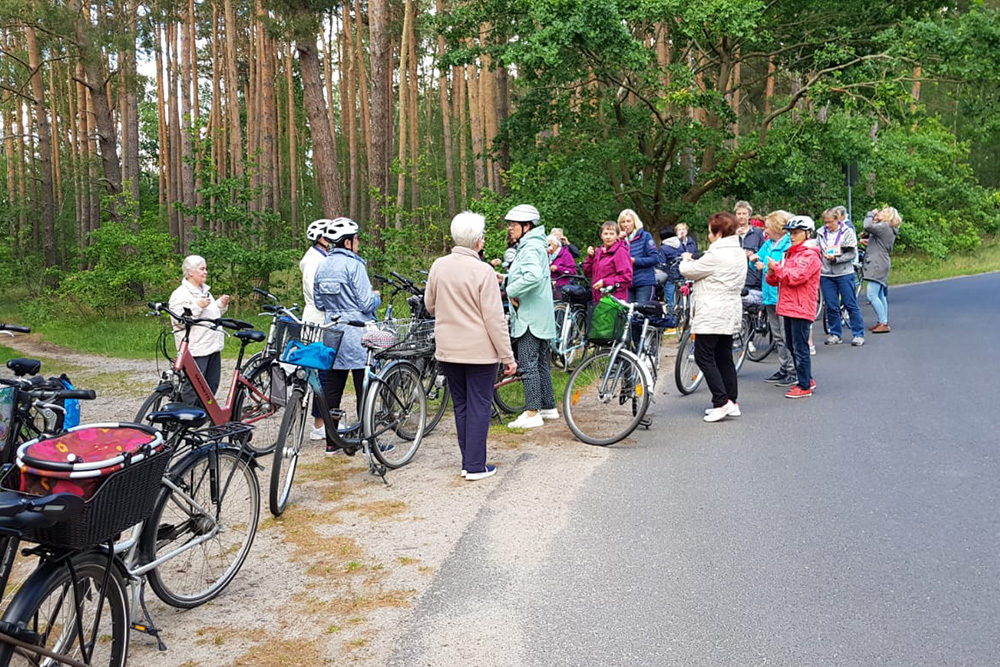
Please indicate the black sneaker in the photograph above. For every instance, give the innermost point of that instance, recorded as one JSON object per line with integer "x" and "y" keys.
{"x": 787, "y": 381}
{"x": 777, "y": 377}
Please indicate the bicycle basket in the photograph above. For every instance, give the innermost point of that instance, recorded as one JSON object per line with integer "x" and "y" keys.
{"x": 120, "y": 485}
{"x": 286, "y": 330}
{"x": 607, "y": 324}
{"x": 402, "y": 339}
{"x": 315, "y": 347}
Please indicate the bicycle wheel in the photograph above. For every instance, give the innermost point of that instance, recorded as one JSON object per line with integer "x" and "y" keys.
{"x": 606, "y": 398}
{"x": 509, "y": 397}
{"x": 761, "y": 339}
{"x": 251, "y": 407}
{"x": 687, "y": 375}
{"x": 286, "y": 454}
{"x": 45, "y": 607}
{"x": 152, "y": 404}
{"x": 395, "y": 414}
{"x": 559, "y": 345}
{"x": 741, "y": 341}
{"x": 435, "y": 392}
{"x": 576, "y": 339}
{"x": 211, "y": 515}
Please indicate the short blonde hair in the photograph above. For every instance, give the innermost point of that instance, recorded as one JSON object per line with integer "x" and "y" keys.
{"x": 892, "y": 216}
{"x": 775, "y": 221}
{"x": 831, "y": 214}
{"x": 636, "y": 220}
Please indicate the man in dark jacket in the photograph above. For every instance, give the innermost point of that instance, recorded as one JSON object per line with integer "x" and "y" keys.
{"x": 670, "y": 251}
{"x": 751, "y": 239}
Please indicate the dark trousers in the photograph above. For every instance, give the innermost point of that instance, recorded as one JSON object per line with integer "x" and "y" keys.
{"x": 714, "y": 355}
{"x": 797, "y": 339}
{"x": 642, "y": 293}
{"x": 334, "y": 381}
{"x": 836, "y": 289}
{"x": 533, "y": 362}
{"x": 471, "y": 387}
{"x": 211, "y": 369}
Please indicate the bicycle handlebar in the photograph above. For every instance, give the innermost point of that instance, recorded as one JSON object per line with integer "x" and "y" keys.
{"x": 224, "y": 322}
{"x": 265, "y": 294}
{"x": 335, "y": 320}
{"x": 42, "y": 389}
{"x": 14, "y": 327}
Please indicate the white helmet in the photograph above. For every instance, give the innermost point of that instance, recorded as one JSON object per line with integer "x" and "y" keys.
{"x": 801, "y": 222}
{"x": 523, "y": 213}
{"x": 338, "y": 228}
{"x": 316, "y": 229}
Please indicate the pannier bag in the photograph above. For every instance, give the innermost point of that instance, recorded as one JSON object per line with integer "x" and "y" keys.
{"x": 79, "y": 460}
{"x": 576, "y": 294}
{"x": 608, "y": 321}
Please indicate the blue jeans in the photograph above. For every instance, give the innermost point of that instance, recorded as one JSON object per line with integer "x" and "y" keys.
{"x": 877, "y": 294}
{"x": 835, "y": 289}
{"x": 668, "y": 295}
{"x": 797, "y": 339}
{"x": 642, "y": 293}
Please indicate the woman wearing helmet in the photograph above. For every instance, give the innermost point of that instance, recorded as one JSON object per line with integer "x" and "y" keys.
{"x": 308, "y": 265}
{"x": 342, "y": 289}
{"x": 797, "y": 279}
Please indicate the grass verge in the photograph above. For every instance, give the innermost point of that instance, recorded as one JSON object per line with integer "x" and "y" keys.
{"x": 913, "y": 268}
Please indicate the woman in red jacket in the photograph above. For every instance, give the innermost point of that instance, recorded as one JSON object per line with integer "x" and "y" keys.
{"x": 797, "y": 279}
{"x": 611, "y": 264}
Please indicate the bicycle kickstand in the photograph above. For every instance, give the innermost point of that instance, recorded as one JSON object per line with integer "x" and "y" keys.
{"x": 147, "y": 626}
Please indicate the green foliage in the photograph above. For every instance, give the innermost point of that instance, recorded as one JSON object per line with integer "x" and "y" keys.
{"x": 236, "y": 267}
{"x": 129, "y": 265}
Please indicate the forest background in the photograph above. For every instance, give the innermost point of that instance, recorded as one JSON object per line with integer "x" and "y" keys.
{"x": 134, "y": 133}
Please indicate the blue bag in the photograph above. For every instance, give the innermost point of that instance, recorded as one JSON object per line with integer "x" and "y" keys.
{"x": 71, "y": 405}
{"x": 311, "y": 355}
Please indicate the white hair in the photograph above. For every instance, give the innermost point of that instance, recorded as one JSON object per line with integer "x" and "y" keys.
{"x": 190, "y": 263}
{"x": 467, "y": 228}
{"x": 554, "y": 240}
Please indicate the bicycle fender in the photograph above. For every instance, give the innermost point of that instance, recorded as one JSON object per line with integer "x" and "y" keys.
{"x": 164, "y": 388}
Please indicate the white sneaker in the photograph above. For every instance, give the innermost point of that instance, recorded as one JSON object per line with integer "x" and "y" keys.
{"x": 734, "y": 409}
{"x": 812, "y": 350}
{"x": 549, "y": 414}
{"x": 317, "y": 433}
{"x": 464, "y": 473}
{"x": 526, "y": 421}
{"x": 473, "y": 476}
{"x": 715, "y": 414}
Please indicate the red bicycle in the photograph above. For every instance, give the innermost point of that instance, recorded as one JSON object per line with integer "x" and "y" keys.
{"x": 250, "y": 397}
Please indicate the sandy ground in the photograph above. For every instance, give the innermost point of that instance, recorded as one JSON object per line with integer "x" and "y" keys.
{"x": 335, "y": 579}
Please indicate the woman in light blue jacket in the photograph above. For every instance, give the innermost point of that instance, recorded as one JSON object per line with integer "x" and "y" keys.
{"x": 776, "y": 245}
{"x": 342, "y": 289}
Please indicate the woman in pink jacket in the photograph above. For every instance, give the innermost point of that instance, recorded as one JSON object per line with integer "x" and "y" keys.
{"x": 797, "y": 279}
{"x": 561, "y": 265}
{"x": 611, "y": 264}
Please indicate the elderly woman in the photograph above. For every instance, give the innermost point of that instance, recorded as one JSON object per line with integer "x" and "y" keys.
{"x": 642, "y": 249}
{"x": 609, "y": 265}
{"x": 882, "y": 228}
{"x": 717, "y": 311}
{"x": 561, "y": 266}
{"x": 573, "y": 250}
{"x": 838, "y": 247}
{"x": 204, "y": 344}
{"x": 342, "y": 289}
{"x": 470, "y": 335}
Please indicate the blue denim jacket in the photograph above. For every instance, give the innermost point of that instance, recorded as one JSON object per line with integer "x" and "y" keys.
{"x": 342, "y": 288}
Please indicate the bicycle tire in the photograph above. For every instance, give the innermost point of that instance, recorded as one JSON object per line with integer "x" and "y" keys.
{"x": 227, "y": 505}
{"x": 687, "y": 375}
{"x": 249, "y": 408}
{"x": 286, "y": 453}
{"x": 436, "y": 393}
{"x": 740, "y": 341}
{"x": 153, "y": 403}
{"x": 557, "y": 349}
{"x": 509, "y": 397}
{"x": 761, "y": 343}
{"x": 395, "y": 414}
{"x": 576, "y": 340}
{"x": 46, "y": 603}
{"x": 605, "y": 392}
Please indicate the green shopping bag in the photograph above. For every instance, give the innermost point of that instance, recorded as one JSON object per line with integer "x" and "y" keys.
{"x": 607, "y": 324}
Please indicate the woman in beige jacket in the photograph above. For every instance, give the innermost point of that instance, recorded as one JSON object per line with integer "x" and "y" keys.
{"x": 470, "y": 336}
{"x": 717, "y": 311}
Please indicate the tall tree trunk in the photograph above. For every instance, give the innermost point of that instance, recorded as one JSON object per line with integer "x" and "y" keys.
{"x": 381, "y": 127}
{"x": 502, "y": 112}
{"x": 174, "y": 140}
{"x": 476, "y": 125}
{"x": 161, "y": 113}
{"x": 293, "y": 159}
{"x": 458, "y": 77}
{"x": 268, "y": 122}
{"x": 130, "y": 110}
{"x": 56, "y": 151}
{"x": 404, "y": 109}
{"x": 44, "y": 173}
{"x": 449, "y": 166}
{"x": 324, "y": 155}
{"x": 232, "y": 94}
{"x": 413, "y": 100}
{"x": 186, "y": 125}
{"x": 350, "y": 109}
{"x": 488, "y": 110}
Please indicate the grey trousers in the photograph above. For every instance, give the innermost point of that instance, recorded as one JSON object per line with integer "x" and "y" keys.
{"x": 785, "y": 363}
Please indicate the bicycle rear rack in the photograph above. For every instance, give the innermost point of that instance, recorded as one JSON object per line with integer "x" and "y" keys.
{"x": 221, "y": 432}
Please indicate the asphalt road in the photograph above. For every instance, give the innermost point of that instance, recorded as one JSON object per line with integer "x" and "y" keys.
{"x": 859, "y": 527}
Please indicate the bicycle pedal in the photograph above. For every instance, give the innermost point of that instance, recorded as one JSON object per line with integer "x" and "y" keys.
{"x": 646, "y": 422}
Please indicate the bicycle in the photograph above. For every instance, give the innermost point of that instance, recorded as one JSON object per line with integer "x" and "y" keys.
{"x": 171, "y": 512}
{"x": 687, "y": 374}
{"x": 756, "y": 332}
{"x": 246, "y": 400}
{"x": 571, "y": 323}
{"x": 616, "y": 379}
{"x": 392, "y": 403}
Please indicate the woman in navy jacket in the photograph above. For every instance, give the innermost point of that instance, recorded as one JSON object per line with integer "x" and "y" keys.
{"x": 644, "y": 254}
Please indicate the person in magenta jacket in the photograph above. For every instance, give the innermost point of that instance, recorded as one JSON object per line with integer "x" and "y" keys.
{"x": 797, "y": 279}
{"x": 561, "y": 265}
{"x": 611, "y": 264}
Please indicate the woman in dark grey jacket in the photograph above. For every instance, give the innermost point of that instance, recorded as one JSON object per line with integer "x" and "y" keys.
{"x": 882, "y": 228}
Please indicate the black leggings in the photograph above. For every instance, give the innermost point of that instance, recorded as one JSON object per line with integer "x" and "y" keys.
{"x": 334, "y": 381}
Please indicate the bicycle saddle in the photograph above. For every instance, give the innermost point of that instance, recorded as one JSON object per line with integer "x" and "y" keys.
{"x": 22, "y": 367}
{"x": 20, "y": 511}
{"x": 649, "y": 309}
{"x": 252, "y": 336}
{"x": 179, "y": 414}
